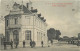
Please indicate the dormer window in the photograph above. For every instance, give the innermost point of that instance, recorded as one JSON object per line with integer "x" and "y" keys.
{"x": 15, "y": 6}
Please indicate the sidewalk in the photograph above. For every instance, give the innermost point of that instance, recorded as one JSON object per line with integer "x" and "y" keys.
{"x": 23, "y": 49}
{"x": 54, "y": 47}
{"x": 27, "y": 47}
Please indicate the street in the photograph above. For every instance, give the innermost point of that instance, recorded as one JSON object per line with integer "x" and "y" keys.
{"x": 54, "y": 47}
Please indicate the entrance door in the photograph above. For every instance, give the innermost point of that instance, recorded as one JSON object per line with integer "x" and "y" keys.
{"x": 16, "y": 36}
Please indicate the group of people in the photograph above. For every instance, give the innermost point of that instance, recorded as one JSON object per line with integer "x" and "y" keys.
{"x": 11, "y": 44}
{"x": 32, "y": 44}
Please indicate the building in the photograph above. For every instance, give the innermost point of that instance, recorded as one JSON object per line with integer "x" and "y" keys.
{"x": 23, "y": 23}
{"x": 1, "y": 41}
{"x": 2, "y": 25}
{"x": 78, "y": 35}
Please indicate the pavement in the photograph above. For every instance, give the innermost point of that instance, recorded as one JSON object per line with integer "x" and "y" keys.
{"x": 54, "y": 47}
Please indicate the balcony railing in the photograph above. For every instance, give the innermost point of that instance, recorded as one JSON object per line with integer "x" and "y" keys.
{"x": 14, "y": 26}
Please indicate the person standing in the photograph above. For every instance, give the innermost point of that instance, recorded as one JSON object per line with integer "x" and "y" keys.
{"x": 11, "y": 44}
{"x": 31, "y": 44}
{"x": 42, "y": 43}
{"x": 4, "y": 42}
{"x": 51, "y": 42}
{"x": 34, "y": 43}
{"x": 4, "y": 45}
{"x": 78, "y": 43}
{"x": 23, "y": 44}
{"x": 16, "y": 44}
{"x": 71, "y": 41}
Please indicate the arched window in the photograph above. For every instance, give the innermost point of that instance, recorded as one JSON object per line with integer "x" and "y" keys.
{"x": 16, "y": 36}
{"x": 28, "y": 35}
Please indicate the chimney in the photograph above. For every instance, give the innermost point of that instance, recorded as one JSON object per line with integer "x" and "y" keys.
{"x": 27, "y": 5}
{"x": 31, "y": 8}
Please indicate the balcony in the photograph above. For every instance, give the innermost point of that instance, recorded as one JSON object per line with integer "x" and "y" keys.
{"x": 15, "y": 26}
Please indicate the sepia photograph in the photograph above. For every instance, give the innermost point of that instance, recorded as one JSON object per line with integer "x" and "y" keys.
{"x": 39, "y": 25}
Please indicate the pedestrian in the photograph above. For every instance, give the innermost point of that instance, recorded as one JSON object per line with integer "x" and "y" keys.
{"x": 4, "y": 45}
{"x": 4, "y": 42}
{"x": 68, "y": 41}
{"x": 16, "y": 44}
{"x": 42, "y": 43}
{"x": 11, "y": 44}
{"x": 51, "y": 42}
{"x": 71, "y": 41}
{"x": 78, "y": 43}
{"x": 31, "y": 44}
{"x": 34, "y": 43}
{"x": 23, "y": 44}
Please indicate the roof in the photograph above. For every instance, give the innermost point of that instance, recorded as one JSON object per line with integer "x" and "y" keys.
{"x": 20, "y": 8}
{"x": 35, "y": 10}
{"x": 24, "y": 9}
{"x": 39, "y": 15}
{"x": 15, "y": 15}
{"x": 15, "y": 4}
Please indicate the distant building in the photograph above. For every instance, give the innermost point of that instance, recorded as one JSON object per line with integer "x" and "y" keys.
{"x": 65, "y": 38}
{"x": 24, "y": 23}
{"x": 78, "y": 35}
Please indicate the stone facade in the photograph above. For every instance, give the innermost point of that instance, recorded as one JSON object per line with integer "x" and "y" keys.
{"x": 23, "y": 24}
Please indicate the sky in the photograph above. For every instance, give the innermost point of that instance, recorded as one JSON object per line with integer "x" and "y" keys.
{"x": 61, "y": 15}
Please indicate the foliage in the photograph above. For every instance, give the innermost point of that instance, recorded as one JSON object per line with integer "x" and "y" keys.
{"x": 53, "y": 34}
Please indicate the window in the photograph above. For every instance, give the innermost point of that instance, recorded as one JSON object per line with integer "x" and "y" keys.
{"x": 28, "y": 35}
{"x": 41, "y": 37}
{"x": 15, "y": 20}
{"x": 7, "y": 22}
{"x": 37, "y": 36}
{"x": 28, "y": 20}
{"x": 7, "y": 36}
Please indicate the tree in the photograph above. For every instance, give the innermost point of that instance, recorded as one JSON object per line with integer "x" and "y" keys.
{"x": 51, "y": 33}
{"x": 58, "y": 33}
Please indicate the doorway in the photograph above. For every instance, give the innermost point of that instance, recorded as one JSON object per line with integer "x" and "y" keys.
{"x": 16, "y": 36}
